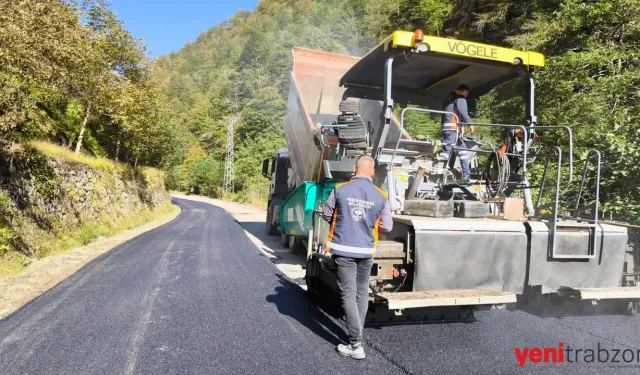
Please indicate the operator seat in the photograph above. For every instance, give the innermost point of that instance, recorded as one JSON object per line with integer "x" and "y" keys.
{"x": 355, "y": 134}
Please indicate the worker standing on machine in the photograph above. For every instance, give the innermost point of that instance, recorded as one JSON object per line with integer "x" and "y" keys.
{"x": 452, "y": 130}
{"x": 356, "y": 210}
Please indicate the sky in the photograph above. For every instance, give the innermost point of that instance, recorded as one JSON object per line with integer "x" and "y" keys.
{"x": 167, "y": 25}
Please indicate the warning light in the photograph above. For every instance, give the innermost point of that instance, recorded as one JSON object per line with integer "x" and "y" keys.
{"x": 418, "y": 37}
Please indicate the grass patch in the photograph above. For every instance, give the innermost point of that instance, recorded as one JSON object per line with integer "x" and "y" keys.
{"x": 56, "y": 151}
{"x": 89, "y": 232}
{"x": 12, "y": 262}
{"x": 151, "y": 175}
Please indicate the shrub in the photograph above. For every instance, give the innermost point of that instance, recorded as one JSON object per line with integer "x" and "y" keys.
{"x": 177, "y": 178}
{"x": 205, "y": 176}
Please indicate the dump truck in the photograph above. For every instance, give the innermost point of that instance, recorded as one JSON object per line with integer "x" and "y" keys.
{"x": 454, "y": 245}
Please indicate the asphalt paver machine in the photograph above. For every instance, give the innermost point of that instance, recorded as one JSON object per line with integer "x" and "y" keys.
{"x": 454, "y": 245}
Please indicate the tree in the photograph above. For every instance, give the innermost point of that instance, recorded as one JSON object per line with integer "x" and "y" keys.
{"x": 42, "y": 47}
{"x": 114, "y": 67}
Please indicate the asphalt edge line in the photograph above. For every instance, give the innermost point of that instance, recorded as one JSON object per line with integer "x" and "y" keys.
{"x": 9, "y": 310}
{"x": 258, "y": 243}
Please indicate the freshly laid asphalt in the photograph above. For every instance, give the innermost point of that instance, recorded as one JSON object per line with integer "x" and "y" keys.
{"x": 196, "y": 297}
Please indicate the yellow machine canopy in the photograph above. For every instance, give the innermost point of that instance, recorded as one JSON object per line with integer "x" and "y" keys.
{"x": 426, "y": 69}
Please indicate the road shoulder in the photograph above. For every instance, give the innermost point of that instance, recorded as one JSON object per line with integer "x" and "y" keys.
{"x": 252, "y": 220}
{"x": 43, "y": 274}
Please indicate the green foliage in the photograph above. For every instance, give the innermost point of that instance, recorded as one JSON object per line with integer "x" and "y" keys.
{"x": 71, "y": 73}
{"x": 241, "y": 196}
{"x": 176, "y": 178}
{"x": 152, "y": 177}
{"x": 42, "y": 50}
{"x": 241, "y": 67}
{"x": 56, "y": 151}
{"x": 589, "y": 82}
{"x": 205, "y": 176}
{"x": 259, "y": 135}
{"x": 420, "y": 124}
{"x": 6, "y": 233}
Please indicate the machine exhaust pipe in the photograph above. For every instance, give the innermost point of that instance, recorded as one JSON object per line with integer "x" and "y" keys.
{"x": 415, "y": 184}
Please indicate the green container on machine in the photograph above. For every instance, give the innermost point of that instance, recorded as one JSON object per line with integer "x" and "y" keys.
{"x": 296, "y": 213}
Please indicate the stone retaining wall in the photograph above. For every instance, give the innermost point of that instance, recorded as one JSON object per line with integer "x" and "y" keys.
{"x": 46, "y": 193}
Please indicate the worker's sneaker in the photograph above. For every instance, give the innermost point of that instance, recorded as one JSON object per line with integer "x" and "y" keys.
{"x": 443, "y": 156}
{"x": 352, "y": 351}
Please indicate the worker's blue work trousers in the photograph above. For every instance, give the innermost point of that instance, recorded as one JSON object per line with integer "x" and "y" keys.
{"x": 353, "y": 282}
{"x": 449, "y": 137}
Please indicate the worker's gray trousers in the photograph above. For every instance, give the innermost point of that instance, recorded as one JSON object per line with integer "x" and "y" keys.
{"x": 353, "y": 282}
{"x": 450, "y": 137}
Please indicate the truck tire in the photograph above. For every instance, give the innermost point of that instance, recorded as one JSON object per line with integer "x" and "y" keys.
{"x": 284, "y": 239}
{"x": 272, "y": 228}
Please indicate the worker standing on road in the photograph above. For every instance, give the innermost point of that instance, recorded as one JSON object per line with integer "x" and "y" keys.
{"x": 452, "y": 130}
{"x": 356, "y": 210}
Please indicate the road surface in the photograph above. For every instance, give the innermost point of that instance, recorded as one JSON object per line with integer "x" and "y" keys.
{"x": 197, "y": 297}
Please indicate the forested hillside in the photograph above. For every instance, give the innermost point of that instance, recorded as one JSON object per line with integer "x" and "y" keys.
{"x": 241, "y": 67}
{"x": 72, "y": 74}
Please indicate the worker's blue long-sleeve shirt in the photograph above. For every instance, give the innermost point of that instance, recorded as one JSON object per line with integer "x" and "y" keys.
{"x": 452, "y": 103}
